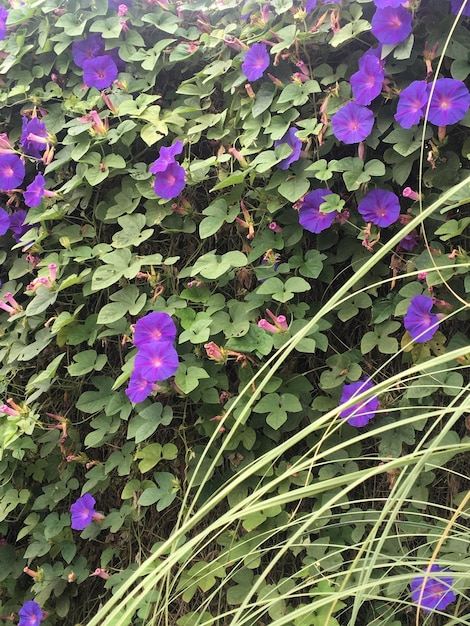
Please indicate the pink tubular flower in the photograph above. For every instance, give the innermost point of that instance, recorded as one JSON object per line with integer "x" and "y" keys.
{"x": 215, "y": 352}
{"x": 101, "y": 573}
{"x": 98, "y": 126}
{"x": 12, "y": 307}
{"x": 409, "y": 193}
{"x": 280, "y": 323}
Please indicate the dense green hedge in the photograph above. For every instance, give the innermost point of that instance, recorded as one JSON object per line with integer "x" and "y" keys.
{"x": 233, "y": 166}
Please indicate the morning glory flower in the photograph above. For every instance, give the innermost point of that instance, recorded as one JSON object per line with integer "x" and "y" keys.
{"x": 352, "y": 123}
{"x": 381, "y": 4}
{"x": 89, "y": 48}
{"x": 450, "y": 101}
{"x": 391, "y": 25}
{"x": 419, "y": 321}
{"x": 412, "y": 103}
{"x": 83, "y": 512}
{"x": 3, "y": 25}
{"x": 34, "y": 137}
{"x": 154, "y": 328}
{"x": 4, "y": 221}
{"x": 139, "y": 389}
{"x": 456, "y": 5}
{"x": 311, "y": 217}
{"x": 366, "y": 84}
{"x": 30, "y": 614}
{"x": 294, "y": 143}
{"x": 17, "y": 225}
{"x": 170, "y": 176}
{"x": 359, "y": 414}
{"x": 12, "y": 171}
{"x": 431, "y": 592}
{"x": 156, "y": 362}
{"x": 99, "y": 72}
{"x": 35, "y": 191}
{"x": 380, "y": 207}
{"x": 256, "y": 61}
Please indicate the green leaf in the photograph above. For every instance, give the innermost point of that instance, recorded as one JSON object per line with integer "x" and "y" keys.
{"x": 163, "y": 494}
{"x": 152, "y": 454}
{"x": 294, "y": 188}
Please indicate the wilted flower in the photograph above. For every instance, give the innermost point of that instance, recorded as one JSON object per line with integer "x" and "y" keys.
{"x": 170, "y": 176}
{"x": 380, "y": 207}
{"x": 410, "y": 193}
{"x": 34, "y": 137}
{"x": 294, "y": 143}
{"x": 157, "y": 361}
{"x": 408, "y": 242}
{"x": 359, "y": 414}
{"x": 450, "y": 101}
{"x": 156, "y": 327}
{"x": 12, "y": 171}
{"x": 91, "y": 47}
{"x": 256, "y": 61}
{"x": 30, "y": 614}
{"x": 431, "y": 592}
{"x": 215, "y": 352}
{"x": 366, "y": 84}
{"x": 83, "y": 512}
{"x": 419, "y": 321}
{"x": 352, "y": 123}
{"x": 3, "y": 20}
{"x": 311, "y": 217}
{"x": 99, "y": 72}
{"x": 391, "y": 25}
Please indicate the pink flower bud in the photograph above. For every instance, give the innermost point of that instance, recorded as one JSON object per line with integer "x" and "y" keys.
{"x": 409, "y": 193}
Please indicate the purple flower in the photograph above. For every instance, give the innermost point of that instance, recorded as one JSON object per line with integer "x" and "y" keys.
{"x": 138, "y": 388}
{"x": 431, "y": 592}
{"x": 412, "y": 103}
{"x": 311, "y": 217}
{"x": 366, "y": 84}
{"x": 419, "y": 321}
{"x": 12, "y": 171}
{"x": 352, "y": 123}
{"x": 456, "y": 5}
{"x": 380, "y": 207}
{"x": 30, "y": 614}
{"x": 156, "y": 362}
{"x": 17, "y": 225}
{"x": 294, "y": 143}
{"x": 34, "y": 137}
{"x": 3, "y": 20}
{"x": 311, "y": 4}
{"x": 359, "y": 414}
{"x": 4, "y": 221}
{"x": 381, "y": 4}
{"x": 91, "y": 47}
{"x": 114, "y": 55}
{"x": 408, "y": 242}
{"x": 449, "y": 102}
{"x": 35, "y": 191}
{"x": 83, "y": 511}
{"x": 391, "y": 25}
{"x": 170, "y": 177}
{"x": 154, "y": 328}
{"x": 99, "y": 72}
{"x": 256, "y": 61}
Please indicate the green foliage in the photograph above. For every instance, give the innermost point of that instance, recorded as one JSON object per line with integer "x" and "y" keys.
{"x": 235, "y": 493}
